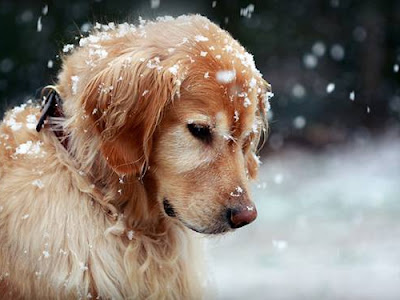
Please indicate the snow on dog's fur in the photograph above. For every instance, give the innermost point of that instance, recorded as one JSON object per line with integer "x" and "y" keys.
{"x": 163, "y": 121}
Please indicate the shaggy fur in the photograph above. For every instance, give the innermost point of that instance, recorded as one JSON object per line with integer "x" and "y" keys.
{"x": 88, "y": 221}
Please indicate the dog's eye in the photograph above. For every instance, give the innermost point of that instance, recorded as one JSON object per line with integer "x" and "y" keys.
{"x": 201, "y": 132}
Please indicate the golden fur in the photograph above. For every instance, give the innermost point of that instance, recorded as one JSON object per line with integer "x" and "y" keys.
{"x": 88, "y": 222}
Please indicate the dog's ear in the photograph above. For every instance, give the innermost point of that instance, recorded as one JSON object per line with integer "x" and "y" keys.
{"x": 125, "y": 102}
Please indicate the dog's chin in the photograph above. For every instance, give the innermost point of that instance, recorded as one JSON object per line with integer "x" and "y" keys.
{"x": 217, "y": 228}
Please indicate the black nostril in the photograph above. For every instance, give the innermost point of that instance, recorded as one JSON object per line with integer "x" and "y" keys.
{"x": 229, "y": 213}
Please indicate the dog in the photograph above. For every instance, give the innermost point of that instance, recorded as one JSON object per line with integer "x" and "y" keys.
{"x": 148, "y": 136}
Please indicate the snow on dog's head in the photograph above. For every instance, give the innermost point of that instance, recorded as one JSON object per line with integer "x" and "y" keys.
{"x": 180, "y": 101}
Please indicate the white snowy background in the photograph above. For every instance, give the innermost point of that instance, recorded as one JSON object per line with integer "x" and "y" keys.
{"x": 328, "y": 227}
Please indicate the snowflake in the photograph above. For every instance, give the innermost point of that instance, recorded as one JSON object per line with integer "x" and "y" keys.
{"x": 174, "y": 69}
{"x": 67, "y": 48}
{"x": 38, "y": 183}
{"x": 225, "y": 76}
{"x": 330, "y": 87}
{"x": 75, "y": 80}
{"x": 130, "y": 235}
{"x": 200, "y": 38}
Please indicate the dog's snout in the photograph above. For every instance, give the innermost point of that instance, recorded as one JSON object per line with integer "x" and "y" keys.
{"x": 241, "y": 216}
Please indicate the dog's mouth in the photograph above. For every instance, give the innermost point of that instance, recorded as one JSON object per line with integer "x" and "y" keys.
{"x": 217, "y": 228}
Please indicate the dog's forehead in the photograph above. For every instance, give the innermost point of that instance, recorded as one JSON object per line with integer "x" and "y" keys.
{"x": 218, "y": 109}
{"x": 230, "y": 105}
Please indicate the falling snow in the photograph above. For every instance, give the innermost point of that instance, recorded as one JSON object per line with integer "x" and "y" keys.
{"x": 45, "y": 10}
{"x": 39, "y": 24}
{"x": 278, "y": 178}
{"x": 337, "y": 52}
{"x": 310, "y": 61}
{"x": 330, "y": 87}
{"x": 319, "y": 48}
{"x": 279, "y": 244}
{"x": 298, "y": 90}
{"x": 299, "y": 122}
{"x": 154, "y": 4}
{"x": 352, "y": 96}
{"x": 247, "y": 11}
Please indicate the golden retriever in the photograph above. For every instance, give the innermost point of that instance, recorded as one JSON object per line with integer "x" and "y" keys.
{"x": 153, "y": 137}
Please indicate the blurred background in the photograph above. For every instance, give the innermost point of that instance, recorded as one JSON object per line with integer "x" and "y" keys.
{"x": 328, "y": 195}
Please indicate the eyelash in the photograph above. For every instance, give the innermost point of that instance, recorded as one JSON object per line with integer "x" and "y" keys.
{"x": 201, "y": 132}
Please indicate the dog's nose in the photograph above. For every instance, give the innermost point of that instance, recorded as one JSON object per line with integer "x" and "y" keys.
{"x": 241, "y": 216}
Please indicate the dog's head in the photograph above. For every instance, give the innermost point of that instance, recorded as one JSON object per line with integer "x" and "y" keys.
{"x": 182, "y": 101}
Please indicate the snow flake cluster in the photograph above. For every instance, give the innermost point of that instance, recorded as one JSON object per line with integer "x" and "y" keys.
{"x": 225, "y": 76}
{"x": 154, "y": 63}
{"x": 104, "y": 32}
{"x": 237, "y": 192}
{"x": 11, "y": 120}
{"x": 174, "y": 69}
{"x": 68, "y": 47}
{"x": 31, "y": 121}
{"x": 29, "y": 148}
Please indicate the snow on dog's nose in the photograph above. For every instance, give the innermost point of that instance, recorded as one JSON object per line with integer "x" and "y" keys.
{"x": 243, "y": 211}
{"x": 242, "y": 216}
